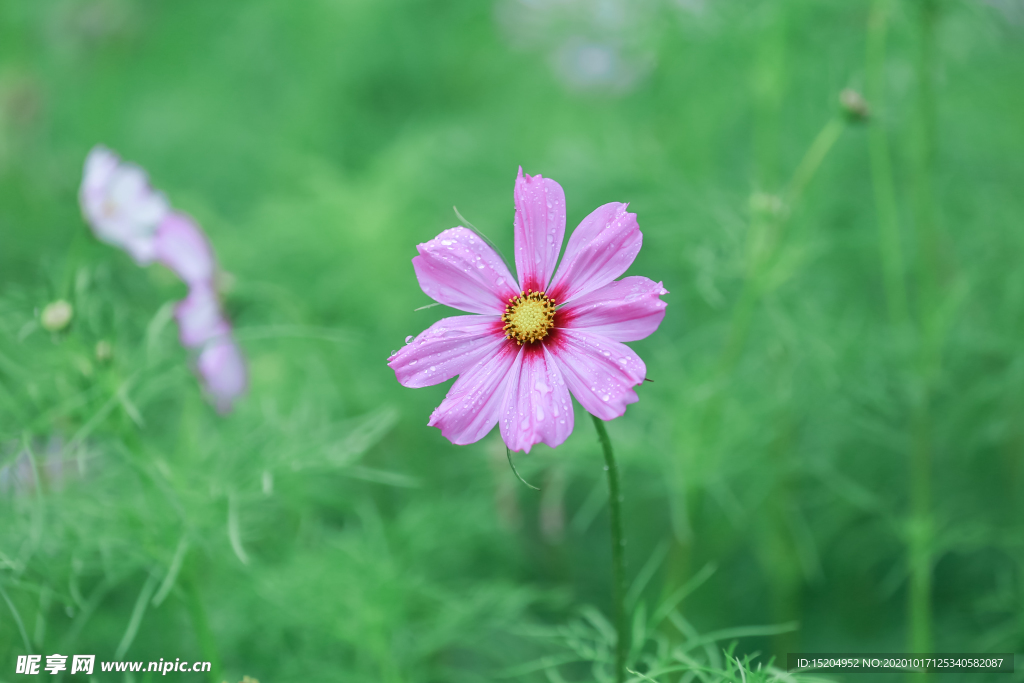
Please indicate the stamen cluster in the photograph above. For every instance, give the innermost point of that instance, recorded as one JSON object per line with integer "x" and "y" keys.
{"x": 528, "y": 317}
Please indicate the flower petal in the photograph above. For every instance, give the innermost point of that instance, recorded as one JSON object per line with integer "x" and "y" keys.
{"x": 199, "y": 317}
{"x": 100, "y": 165}
{"x": 447, "y": 348}
{"x": 458, "y": 269}
{"x": 626, "y": 310}
{"x": 539, "y": 229}
{"x": 472, "y": 406}
{"x": 222, "y": 371}
{"x": 181, "y": 246}
{"x": 600, "y": 249}
{"x": 537, "y": 406}
{"x": 119, "y": 204}
{"x": 599, "y": 372}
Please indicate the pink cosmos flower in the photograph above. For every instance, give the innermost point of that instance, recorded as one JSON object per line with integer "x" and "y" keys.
{"x": 125, "y": 211}
{"x": 182, "y": 246}
{"x": 119, "y": 204}
{"x": 537, "y": 339}
{"x": 222, "y": 371}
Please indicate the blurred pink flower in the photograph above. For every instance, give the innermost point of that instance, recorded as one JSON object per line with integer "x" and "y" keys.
{"x": 120, "y": 205}
{"x": 535, "y": 340}
{"x": 182, "y": 246}
{"x": 222, "y": 372}
{"x": 199, "y": 317}
{"x": 125, "y": 211}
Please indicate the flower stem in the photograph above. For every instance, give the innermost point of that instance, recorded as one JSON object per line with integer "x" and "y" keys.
{"x": 881, "y": 168}
{"x": 618, "y": 552}
{"x": 921, "y": 519}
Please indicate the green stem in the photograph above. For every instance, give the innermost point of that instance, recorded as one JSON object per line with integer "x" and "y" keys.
{"x": 618, "y": 552}
{"x": 881, "y": 168}
{"x": 816, "y": 153}
{"x": 201, "y": 625}
{"x": 919, "y": 553}
{"x": 920, "y": 546}
{"x": 919, "y": 527}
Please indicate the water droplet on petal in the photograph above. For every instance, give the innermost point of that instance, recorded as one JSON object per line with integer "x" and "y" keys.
{"x": 408, "y": 339}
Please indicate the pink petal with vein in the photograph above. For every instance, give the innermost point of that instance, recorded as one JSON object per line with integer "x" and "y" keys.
{"x": 447, "y": 348}
{"x": 181, "y": 246}
{"x": 626, "y": 310}
{"x": 458, "y": 269}
{"x": 539, "y": 229}
{"x": 599, "y": 372}
{"x": 222, "y": 371}
{"x": 537, "y": 407}
{"x": 600, "y": 249}
{"x": 472, "y": 406}
{"x": 199, "y": 317}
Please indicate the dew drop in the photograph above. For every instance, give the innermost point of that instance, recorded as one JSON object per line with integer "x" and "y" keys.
{"x": 408, "y": 339}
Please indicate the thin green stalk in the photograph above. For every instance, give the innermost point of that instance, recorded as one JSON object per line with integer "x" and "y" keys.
{"x": 919, "y": 527}
{"x": 920, "y": 546}
{"x": 815, "y": 154}
{"x": 200, "y": 623}
{"x": 618, "y": 552}
{"x": 881, "y": 168}
{"x": 924, "y": 153}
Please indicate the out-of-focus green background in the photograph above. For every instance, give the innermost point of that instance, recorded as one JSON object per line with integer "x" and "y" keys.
{"x": 830, "y": 456}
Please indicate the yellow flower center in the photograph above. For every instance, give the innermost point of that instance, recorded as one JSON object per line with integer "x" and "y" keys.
{"x": 529, "y": 317}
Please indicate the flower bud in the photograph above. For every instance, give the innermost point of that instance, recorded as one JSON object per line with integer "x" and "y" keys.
{"x": 855, "y": 107}
{"x": 56, "y": 316}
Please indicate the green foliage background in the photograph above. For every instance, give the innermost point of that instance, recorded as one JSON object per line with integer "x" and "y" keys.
{"x": 833, "y": 433}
